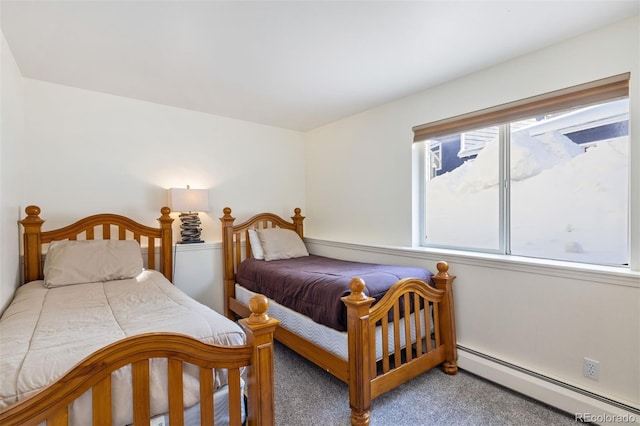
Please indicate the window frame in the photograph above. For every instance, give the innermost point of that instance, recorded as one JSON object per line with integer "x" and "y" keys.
{"x": 583, "y": 95}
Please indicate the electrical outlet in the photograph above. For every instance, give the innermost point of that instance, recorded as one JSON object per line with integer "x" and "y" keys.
{"x": 591, "y": 369}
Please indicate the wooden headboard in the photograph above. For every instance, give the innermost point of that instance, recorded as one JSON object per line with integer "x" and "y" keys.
{"x": 233, "y": 236}
{"x": 100, "y": 226}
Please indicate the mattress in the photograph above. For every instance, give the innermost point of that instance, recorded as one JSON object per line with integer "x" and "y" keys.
{"x": 45, "y": 332}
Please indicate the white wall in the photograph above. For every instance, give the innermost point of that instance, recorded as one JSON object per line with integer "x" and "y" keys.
{"x": 540, "y": 317}
{"x": 11, "y": 186}
{"x": 90, "y": 153}
{"x": 93, "y": 153}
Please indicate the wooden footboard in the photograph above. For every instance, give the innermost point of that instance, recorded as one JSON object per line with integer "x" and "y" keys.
{"x": 431, "y": 337}
{"x": 409, "y": 347}
{"x": 94, "y": 372}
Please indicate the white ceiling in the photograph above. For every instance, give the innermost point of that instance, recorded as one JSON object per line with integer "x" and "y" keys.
{"x": 296, "y": 64}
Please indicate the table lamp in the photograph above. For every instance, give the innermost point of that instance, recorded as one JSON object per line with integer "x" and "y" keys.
{"x": 189, "y": 202}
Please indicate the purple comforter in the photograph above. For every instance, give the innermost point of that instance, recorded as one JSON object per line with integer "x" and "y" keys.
{"x": 313, "y": 285}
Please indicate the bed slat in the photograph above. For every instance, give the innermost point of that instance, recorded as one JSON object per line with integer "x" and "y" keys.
{"x": 436, "y": 323}
{"x": 106, "y": 231}
{"x": 151, "y": 254}
{"x": 237, "y": 250}
{"x": 384, "y": 326}
{"x": 101, "y": 401}
{"x": 140, "y": 381}
{"x": 427, "y": 325}
{"x": 385, "y": 343}
{"x": 397, "y": 360}
{"x": 235, "y": 409}
{"x": 60, "y": 418}
{"x": 407, "y": 327}
{"x": 206, "y": 404}
{"x": 417, "y": 302}
{"x": 247, "y": 245}
{"x": 174, "y": 371}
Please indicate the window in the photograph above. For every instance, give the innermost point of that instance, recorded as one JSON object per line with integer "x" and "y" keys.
{"x": 545, "y": 177}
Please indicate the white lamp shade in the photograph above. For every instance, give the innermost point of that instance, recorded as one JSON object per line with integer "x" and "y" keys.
{"x": 188, "y": 200}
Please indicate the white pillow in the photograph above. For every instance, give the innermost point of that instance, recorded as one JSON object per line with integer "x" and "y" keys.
{"x": 278, "y": 243}
{"x": 76, "y": 262}
{"x": 256, "y": 248}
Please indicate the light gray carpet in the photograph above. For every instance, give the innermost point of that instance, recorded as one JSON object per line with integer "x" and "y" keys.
{"x": 306, "y": 395}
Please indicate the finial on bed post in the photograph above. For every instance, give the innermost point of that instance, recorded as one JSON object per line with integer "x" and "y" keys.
{"x": 166, "y": 242}
{"x": 358, "y": 306}
{"x": 227, "y": 259}
{"x": 227, "y": 214}
{"x": 258, "y": 305}
{"x": 444, "y": 281}
{"x": 259, "y": 329}
{"x": 32, "y": 244}
{"x": 297, "y": 219}
{"x": 357, "y": 287}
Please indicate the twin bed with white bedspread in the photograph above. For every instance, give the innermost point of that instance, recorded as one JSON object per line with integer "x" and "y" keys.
{"x": 90, "y": 298}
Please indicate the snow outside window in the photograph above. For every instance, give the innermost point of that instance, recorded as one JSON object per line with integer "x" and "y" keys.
{"x": 554, "y": 186}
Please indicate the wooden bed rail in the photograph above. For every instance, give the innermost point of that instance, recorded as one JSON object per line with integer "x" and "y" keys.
{"x": 34, "y": 238}
{"x": 94, "y": 372}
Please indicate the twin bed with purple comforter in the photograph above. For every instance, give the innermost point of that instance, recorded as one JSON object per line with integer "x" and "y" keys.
{"x": 346, "y": 317}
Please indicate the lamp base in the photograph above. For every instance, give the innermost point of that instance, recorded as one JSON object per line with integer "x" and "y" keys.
{"x": 190, "y": 228}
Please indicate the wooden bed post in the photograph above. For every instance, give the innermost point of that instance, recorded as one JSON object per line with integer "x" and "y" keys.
{"x": 444, "y": 281}
{"x": 358, "y": 305}
{"x": 166, "y": 242}
{"x": 260, "y": 328}
{"x": 297, "y": 219}
{"x": 228, "y": 272}
{"x": 32, "y": 244}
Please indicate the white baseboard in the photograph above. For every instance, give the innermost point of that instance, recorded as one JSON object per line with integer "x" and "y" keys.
{"x": 581, "y": 406}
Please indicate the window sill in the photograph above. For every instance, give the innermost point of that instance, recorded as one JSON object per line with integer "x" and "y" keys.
{"x": 582, "y": 271}
{"x": 544, "y": 266}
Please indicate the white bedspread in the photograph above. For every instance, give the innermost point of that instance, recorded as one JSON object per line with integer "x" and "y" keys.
{"x": 45, "y": 332}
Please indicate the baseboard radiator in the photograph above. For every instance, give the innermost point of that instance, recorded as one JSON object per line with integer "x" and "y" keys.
{"x": 582, "y": 405}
